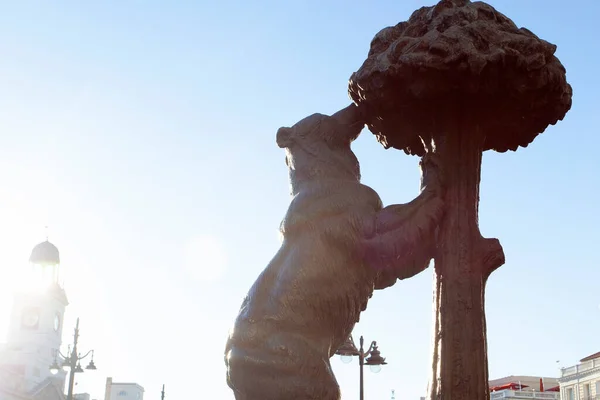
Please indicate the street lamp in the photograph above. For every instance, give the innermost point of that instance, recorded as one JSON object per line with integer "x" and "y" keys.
{"x": 371, "y": 357}
{"x": 72, "y": 361}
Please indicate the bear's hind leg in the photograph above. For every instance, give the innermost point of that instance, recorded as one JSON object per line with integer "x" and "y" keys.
{"x": 295, "y": 378}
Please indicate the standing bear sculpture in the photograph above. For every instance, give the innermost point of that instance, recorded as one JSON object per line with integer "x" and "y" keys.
{"x": 339, "y": 245}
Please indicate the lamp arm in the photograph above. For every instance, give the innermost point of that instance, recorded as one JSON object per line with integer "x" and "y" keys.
{"x": 86, "y": 354}
{"x": 62, "y": 355}
{"x": 371, "y": 347}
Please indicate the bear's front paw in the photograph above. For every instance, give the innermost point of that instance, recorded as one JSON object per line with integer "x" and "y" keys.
{"x": 432, "y": 172}
{"x": 431, "y": 160}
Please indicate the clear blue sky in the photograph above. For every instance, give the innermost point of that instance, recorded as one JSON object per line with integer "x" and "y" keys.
{"x": 143, "y": 133}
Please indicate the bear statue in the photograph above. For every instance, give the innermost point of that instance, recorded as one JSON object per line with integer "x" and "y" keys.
{"x": 339, "y": 245}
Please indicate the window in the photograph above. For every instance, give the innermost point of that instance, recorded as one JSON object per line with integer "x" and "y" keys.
{"x": 570, "y": 394}
{"x": 586, "y": 391}
{"x": 122, "y": 393}
{"x": 598, "y": 389}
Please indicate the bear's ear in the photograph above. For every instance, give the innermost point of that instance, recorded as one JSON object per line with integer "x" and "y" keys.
{"x": 284, "y": 137}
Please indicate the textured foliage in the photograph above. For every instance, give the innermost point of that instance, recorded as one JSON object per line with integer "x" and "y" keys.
{"x": 460, "y": 57}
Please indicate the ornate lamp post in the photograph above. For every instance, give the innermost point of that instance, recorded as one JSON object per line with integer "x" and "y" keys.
{"x": 72, "y": 361}
{"x": 374, "y": 360}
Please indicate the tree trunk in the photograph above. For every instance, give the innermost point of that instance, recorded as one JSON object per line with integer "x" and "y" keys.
{"x": 463, "y": 262}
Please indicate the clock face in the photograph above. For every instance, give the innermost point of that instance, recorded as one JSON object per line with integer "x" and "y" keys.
{"x": 56, "y": 322}
{"x": 30, "y": 318}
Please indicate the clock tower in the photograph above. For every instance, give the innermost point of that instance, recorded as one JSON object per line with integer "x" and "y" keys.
{"x": 35, "y": 330}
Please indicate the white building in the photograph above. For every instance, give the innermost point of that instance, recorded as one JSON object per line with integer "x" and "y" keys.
{"x": 524, "y": 387}
{"x": 123, "y": 391}
{"x": 581, "y": 381}
{"x": 35, "y": 332}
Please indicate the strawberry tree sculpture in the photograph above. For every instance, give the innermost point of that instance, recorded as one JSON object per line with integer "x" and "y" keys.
{"x": 457, "y": 79}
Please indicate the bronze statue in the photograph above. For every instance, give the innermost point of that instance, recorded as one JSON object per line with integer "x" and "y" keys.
{"x": 339, "y": 244}
{"x": 456, "y": 79}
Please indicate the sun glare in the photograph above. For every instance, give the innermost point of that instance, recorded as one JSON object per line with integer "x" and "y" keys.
{"x": 21, "y": 227}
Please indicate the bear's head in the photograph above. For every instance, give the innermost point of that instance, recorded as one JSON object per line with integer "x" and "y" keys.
{"x": 318, "y": 147}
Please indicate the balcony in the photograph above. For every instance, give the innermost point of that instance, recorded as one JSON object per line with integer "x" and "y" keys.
{"x": 584, "y": 367}
{"x": 521, "y": 394}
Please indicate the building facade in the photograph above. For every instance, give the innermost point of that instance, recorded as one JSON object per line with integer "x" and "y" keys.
{"x": 123, "y": 391}
{"x": 581, "y": 381}
{"x": 35, "y": 332}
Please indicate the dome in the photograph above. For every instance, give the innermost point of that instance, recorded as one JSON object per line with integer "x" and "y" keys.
{"x": 44, "y": 253}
